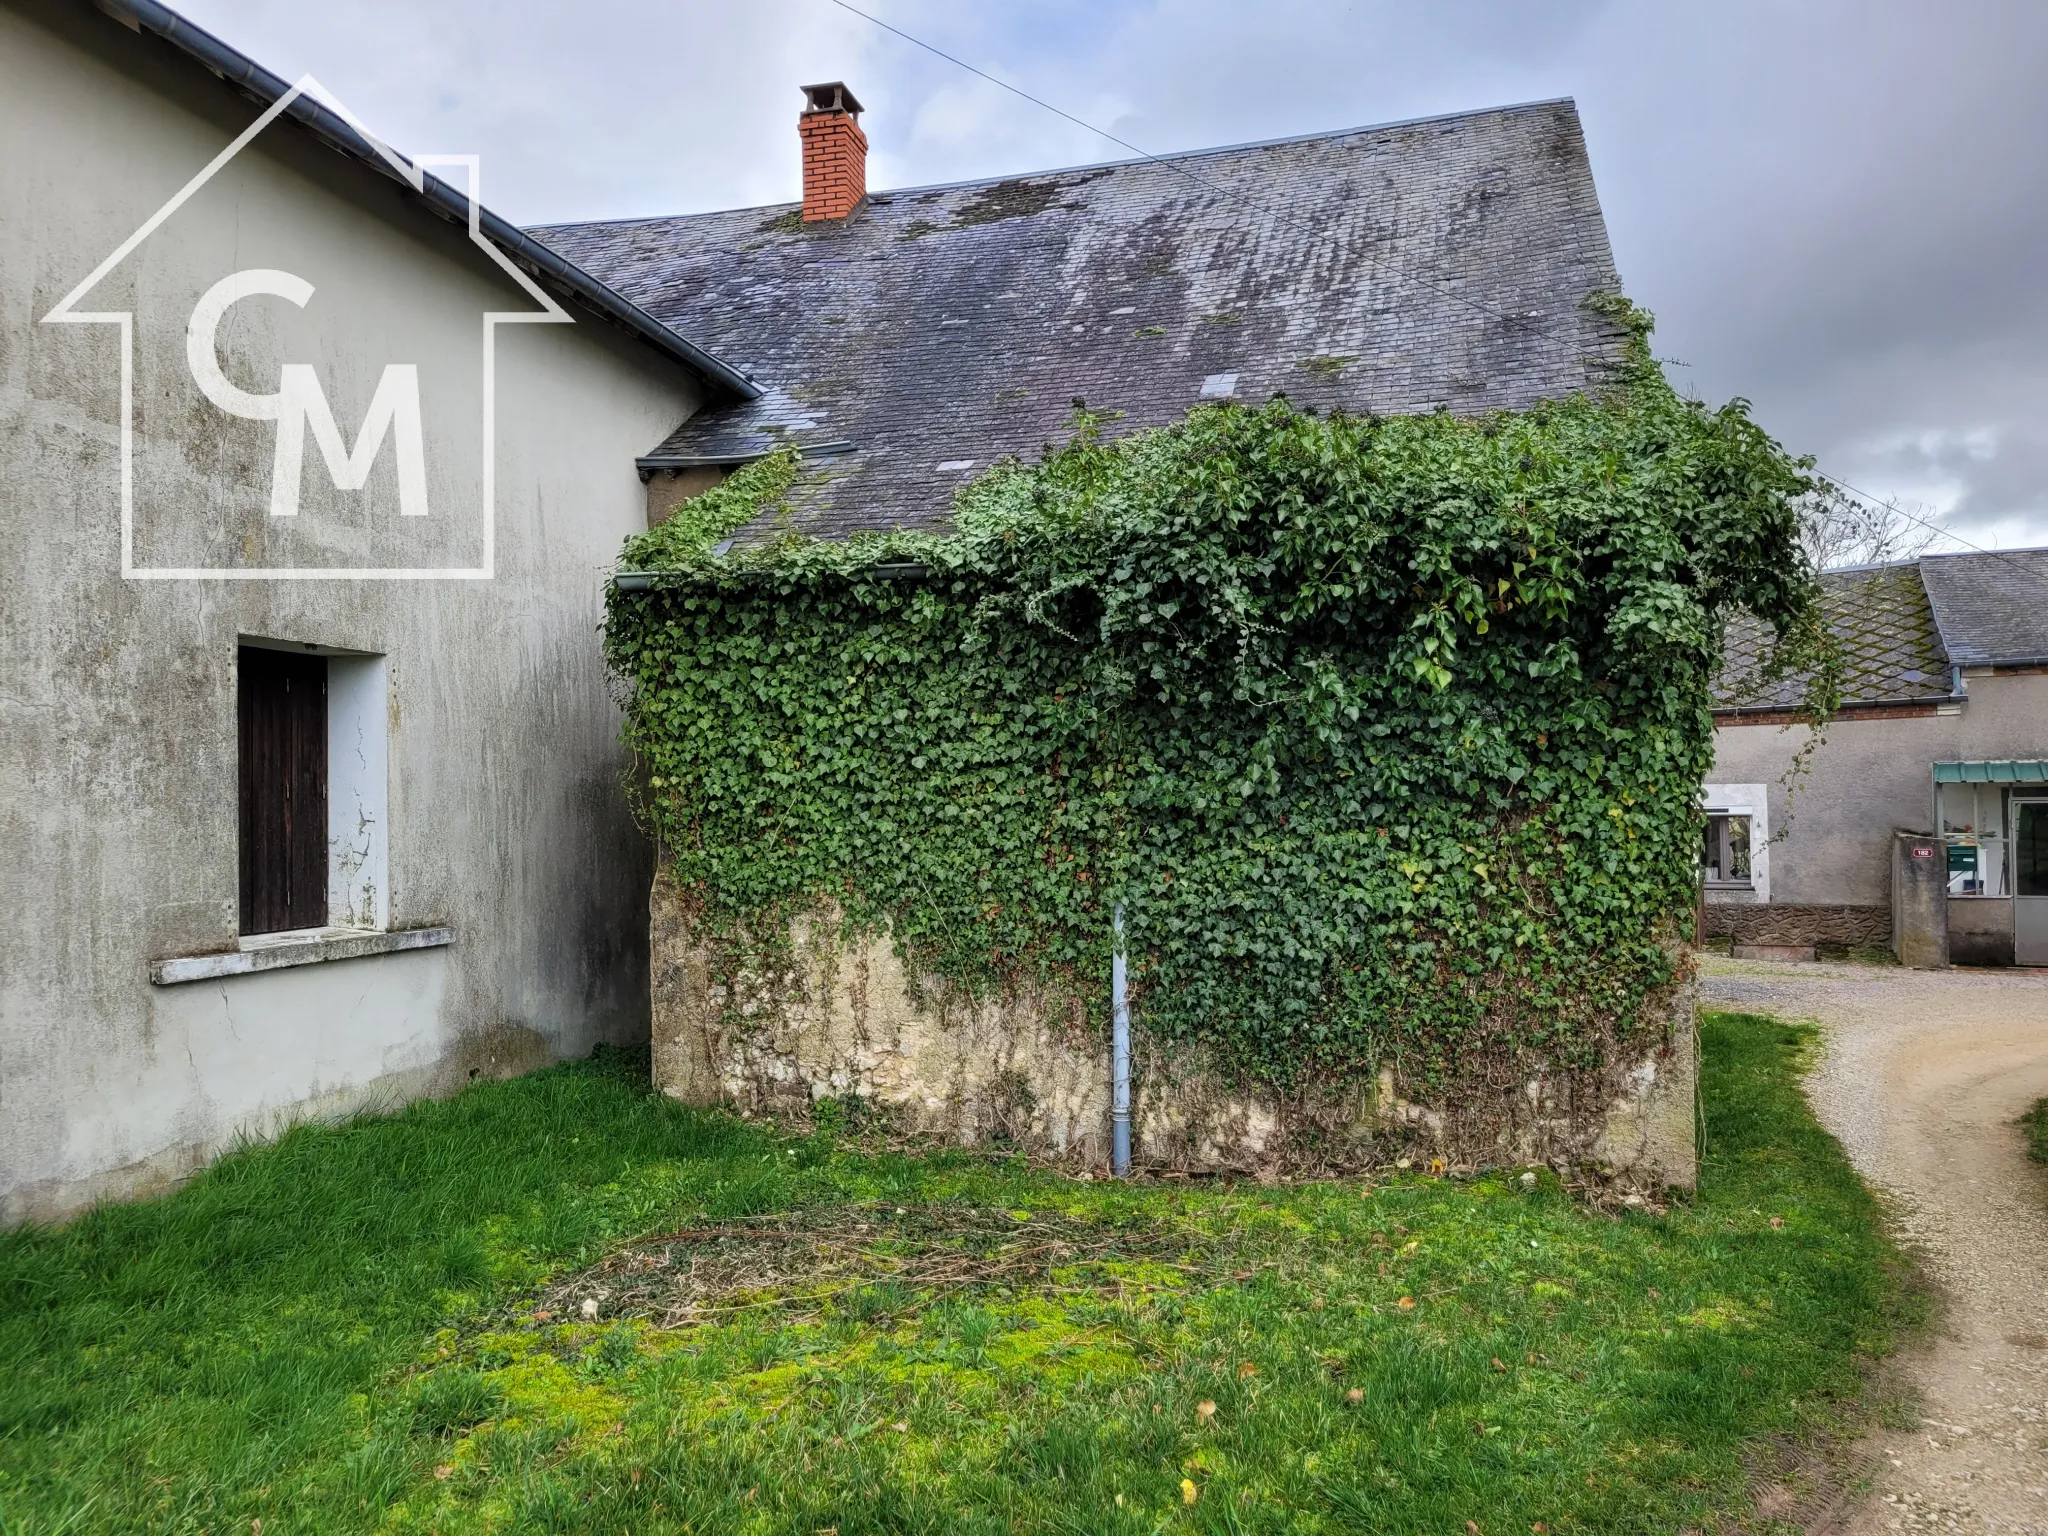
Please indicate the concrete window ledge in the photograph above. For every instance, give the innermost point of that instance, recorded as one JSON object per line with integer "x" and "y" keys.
{"x": 275, "y": 951}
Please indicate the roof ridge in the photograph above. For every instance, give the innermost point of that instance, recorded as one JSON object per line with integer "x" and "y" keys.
{"x": 1985, "y": 554}
{"x": 1097, "y": 165}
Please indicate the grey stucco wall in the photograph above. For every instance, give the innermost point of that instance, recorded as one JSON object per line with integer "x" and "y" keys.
{"x": 1869, "y": 778}
{"x": 117, "y": 697}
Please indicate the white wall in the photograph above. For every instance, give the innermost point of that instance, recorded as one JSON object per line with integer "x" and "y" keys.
{"x": 358, "y": 793}
{"x": 501, "y": 806}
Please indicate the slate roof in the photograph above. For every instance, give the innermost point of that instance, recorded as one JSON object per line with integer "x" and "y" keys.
{"x": 1891, "y": 646}
{"x": 938, "y": 329}
{"x": 1992, "y": 608}
{"x": 1902, "y": 626}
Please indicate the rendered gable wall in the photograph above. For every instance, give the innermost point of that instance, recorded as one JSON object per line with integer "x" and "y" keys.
{"x": 118, "y": 743}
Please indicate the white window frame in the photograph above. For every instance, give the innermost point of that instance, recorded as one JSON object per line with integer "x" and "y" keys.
{"x": 1749, "y": 800}
{"x": 358, "y": 792}
{"x": 1999, "y": 837}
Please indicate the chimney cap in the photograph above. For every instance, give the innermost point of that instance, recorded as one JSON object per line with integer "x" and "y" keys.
{"x": 832, "y": 96}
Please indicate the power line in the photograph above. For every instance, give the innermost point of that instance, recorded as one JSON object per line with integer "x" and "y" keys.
{"x": 1935, "y": 528}
{"x": 1320, "y": 234}
{"x": 1173, "y": 164}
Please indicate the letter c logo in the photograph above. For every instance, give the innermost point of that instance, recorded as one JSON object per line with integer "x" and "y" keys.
{"x": 200, "y": 354}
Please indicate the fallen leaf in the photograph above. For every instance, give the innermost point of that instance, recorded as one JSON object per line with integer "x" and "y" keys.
{"x": 1247, "y": 1369}
{"x": 1499, "y": 1364}
{"x": 1205, "y": 1409}
{"x": 1777, "y": 1221}
{"x": 543, "y": 1315}
{"x": 1471, "y": 1528}
{"x": 900, "y": 1427}
{"x": 1406, "y": 1303}
{"x": 1540, "y": 1528}
{"x": 1188, "y": 1491}
{"x": 441, "y": 1473}
{"x": 1355, "y": 1395}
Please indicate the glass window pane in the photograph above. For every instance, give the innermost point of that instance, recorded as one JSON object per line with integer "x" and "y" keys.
{"x": 1958, "y": 808}
{"x": 2030, "y": 847}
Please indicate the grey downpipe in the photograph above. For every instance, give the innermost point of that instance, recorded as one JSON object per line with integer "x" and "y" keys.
{"x": 1119, "y": 1058}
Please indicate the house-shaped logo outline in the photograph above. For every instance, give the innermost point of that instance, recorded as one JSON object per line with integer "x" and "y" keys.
{"x": 413, "y": 171}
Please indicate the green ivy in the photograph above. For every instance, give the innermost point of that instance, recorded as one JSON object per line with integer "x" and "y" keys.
{"x": 1387, "y": 733}
{"x": 694, "y": 526}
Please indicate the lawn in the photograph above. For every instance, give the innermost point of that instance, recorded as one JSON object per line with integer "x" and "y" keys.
{"x": 381, "y": 1326}
{"x": 2035, "y": 1123}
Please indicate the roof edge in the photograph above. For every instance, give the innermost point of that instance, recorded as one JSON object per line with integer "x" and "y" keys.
{"x": 238, "y": 69}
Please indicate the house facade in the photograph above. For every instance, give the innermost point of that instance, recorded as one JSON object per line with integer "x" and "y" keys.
{"x": 310, "y": 473}
{"x": 1943, "y": 733}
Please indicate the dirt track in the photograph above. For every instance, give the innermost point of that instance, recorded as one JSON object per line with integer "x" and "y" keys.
{"x": 1924, "y": 1075}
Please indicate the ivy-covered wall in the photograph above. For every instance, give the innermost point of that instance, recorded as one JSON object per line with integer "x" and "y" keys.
{"x": 1386, "y": 734}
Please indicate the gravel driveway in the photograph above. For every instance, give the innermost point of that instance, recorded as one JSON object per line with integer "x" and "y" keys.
{"x": 1924, "y": 1075}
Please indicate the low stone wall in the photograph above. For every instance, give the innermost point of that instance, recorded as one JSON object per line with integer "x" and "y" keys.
{"x": 847, "y": 1019}
{"x": 1771, "y": 923}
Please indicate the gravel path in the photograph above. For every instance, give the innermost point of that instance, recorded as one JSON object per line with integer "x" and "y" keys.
{"x": 1924, "y": 1075}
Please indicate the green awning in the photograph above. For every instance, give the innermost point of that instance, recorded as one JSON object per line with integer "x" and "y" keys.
{"x": 1994, "y": 771}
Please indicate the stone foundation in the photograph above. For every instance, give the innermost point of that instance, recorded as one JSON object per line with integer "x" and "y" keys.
{"x": 1801, "y": 927}
{"x": 848, "y": 1020}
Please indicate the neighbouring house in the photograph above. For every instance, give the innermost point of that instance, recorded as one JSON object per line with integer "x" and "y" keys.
{"x": 1943, "y": 733}
{"x": 905, "y": 340}
{"x": 308, "y": 769}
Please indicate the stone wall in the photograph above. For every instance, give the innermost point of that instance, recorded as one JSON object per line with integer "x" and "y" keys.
{"x": 845, "y": 1018}
{"x": 1851, "y": 927}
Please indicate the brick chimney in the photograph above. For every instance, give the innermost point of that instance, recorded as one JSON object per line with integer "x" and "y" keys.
{"x": 835, "y": 152}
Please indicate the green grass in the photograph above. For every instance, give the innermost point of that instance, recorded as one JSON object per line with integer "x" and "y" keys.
{"x": 2035, "y": 1123}
{"x": 338, "y": 1333}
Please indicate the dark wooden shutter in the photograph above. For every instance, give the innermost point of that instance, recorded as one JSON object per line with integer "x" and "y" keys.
{"x": 282, "y": 710}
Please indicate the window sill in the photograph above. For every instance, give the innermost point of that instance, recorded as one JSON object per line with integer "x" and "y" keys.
{"x": 276, "y": 951}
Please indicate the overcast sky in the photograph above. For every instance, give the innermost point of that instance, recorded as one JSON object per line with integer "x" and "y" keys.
{"x": 1837, "y": 208}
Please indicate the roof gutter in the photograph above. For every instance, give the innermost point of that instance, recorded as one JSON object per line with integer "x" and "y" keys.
{"x": 648, "y": 581}
{"x": 239, "y": 70}
{"x": 732, "y": 460}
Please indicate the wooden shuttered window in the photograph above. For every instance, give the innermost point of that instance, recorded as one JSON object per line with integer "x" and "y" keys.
{"x": 282, "y": 715}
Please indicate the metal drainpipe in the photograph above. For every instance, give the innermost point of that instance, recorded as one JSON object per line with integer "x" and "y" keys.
{"x": 1119, "y": 1058}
